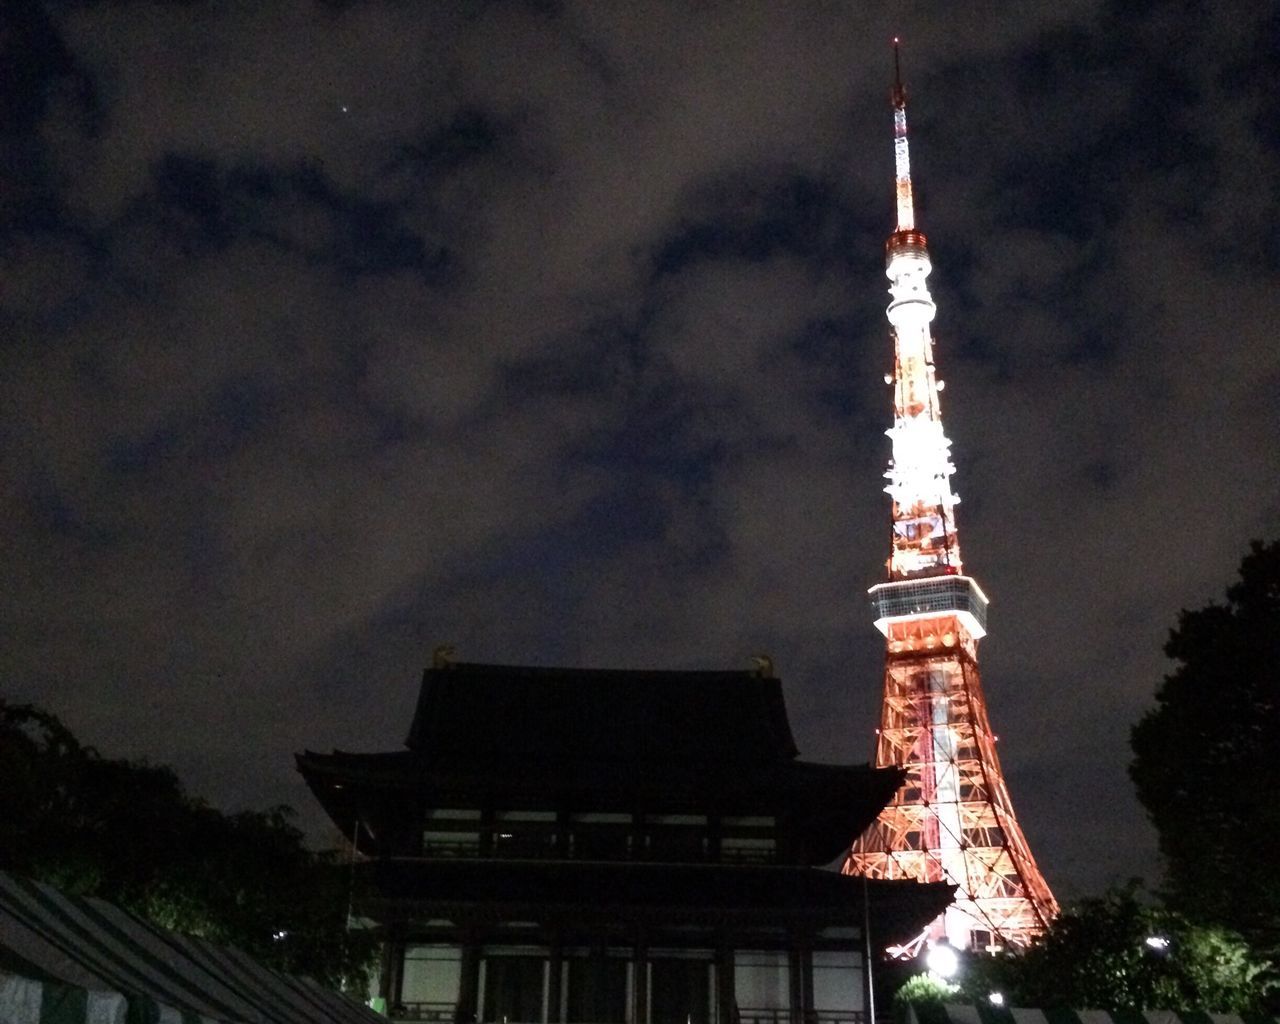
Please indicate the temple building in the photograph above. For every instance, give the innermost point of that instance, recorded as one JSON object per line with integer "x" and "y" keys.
{"x": 618, "y": 847}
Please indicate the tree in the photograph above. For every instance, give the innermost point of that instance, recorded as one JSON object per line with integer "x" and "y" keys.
{"x": 1207, "y": 757}
{"x": 923, "y": 989}
{"x": 128, "y": 832}
{"x": 1119, "y": 953}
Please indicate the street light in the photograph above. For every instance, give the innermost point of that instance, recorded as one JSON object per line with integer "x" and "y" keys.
{"x": 942, "y": 961}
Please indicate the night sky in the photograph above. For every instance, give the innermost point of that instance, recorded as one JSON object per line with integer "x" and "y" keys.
{"x": 334, "y": 332}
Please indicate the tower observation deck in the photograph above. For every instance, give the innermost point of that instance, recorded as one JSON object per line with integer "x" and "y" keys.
{"x": 952, "y": 820}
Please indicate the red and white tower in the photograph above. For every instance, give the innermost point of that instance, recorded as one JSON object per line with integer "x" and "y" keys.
{"x": 952, "y": 820}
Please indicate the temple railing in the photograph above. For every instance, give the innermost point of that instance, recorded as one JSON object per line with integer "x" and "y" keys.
{"x": 444, "y": 1013}
{"x": 749, "y": 1015}
{"x": 441, "y": 1012}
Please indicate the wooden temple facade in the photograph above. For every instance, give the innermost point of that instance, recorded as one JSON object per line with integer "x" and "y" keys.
{"x": 614, "y": 847}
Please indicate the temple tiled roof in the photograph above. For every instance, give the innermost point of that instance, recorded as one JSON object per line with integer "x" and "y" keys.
{"x": 482, "y": 711}
{"x": 664, "y": 893}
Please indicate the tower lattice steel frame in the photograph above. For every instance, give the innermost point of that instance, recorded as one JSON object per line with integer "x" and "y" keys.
{"x": 952, "y": 820}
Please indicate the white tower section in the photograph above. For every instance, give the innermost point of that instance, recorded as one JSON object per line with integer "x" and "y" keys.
{"x": 924, "y": 528}
{"x": 920, "y": 470}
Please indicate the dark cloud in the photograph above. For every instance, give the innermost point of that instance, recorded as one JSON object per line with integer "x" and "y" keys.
{"x": 331, "y": 332}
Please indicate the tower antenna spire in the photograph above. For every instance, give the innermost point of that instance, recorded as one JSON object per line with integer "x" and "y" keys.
{"x": 901, "y": 157}
{"x": 897, "y": 72}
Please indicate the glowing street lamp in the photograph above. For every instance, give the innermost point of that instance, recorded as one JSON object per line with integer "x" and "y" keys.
{"x": 942, "y": 961}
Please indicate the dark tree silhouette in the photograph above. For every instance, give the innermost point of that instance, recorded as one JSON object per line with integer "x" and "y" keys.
{"x": 1119, "y": 952}
{"x": 1207, "y": 757}
{"x": 128, "y": 832}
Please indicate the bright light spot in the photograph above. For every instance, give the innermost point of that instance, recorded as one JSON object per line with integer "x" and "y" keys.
{"x": 280, "y": 935}
{"x": 1157, "y": 942}
{"x": 996, "y": 998}
{"x": 921, "y": 467}
{"x": 942, "y": 961}
{"x": 345, "y": 108}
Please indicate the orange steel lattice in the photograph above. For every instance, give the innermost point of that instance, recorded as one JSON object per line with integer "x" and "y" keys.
{"x": 952, "y": 820}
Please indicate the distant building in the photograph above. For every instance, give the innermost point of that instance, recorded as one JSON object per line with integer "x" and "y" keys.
{"x": 618, "y": 847}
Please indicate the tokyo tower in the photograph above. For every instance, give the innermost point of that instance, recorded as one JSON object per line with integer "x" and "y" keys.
{"x": 952, "y": 820}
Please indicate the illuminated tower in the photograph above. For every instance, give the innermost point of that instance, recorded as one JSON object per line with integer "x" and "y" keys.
{"x": 952, "y": 820}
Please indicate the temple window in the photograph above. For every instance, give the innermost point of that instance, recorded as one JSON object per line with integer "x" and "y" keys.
{"x": 762, "y": 985}
{"x": 452, "y": 832}
{"x": 675, "y": 838}
{"x": 837, "y": 986}
{"x": 597, "y": 989}
{"x": 524, "y": 834}
{"x": 600, "y": 836}
{"x": 513, "y": 987}
{"x": 681, "y": 987}
{"x": 430, "y": 982}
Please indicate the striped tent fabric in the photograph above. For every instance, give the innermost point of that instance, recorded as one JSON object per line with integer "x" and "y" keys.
{"x": 72, "y": 960}
{"x": 961, "y": 1013}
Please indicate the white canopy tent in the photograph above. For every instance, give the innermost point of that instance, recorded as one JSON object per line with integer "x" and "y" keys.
{"x": 70, "y": 960}
{"x": 966, "y": 1013}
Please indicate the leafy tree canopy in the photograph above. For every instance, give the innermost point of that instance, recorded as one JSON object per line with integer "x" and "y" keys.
{"x": 923, "y": 989}
{"x": 128, "y": 832}
{"x": 1117, "y": 952}
{"x": 1206, "y": 762}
